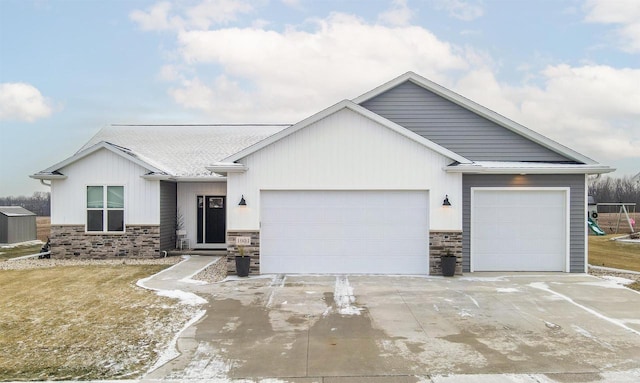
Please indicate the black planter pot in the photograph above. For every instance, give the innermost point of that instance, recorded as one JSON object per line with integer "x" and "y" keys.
{"x": 242, "y": 266}
{"x": 448, "y": 263}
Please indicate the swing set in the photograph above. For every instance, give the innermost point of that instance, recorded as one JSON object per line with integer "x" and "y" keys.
{"x": 622, "y": 211}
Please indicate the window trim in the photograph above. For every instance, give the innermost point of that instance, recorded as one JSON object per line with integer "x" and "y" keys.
{"x": 104, "y": 209}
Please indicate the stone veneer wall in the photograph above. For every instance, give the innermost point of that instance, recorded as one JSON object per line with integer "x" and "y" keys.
{"x": 71, "y": 241}
{"x": 439, "y": 242}
{"x": 253, "y": 251}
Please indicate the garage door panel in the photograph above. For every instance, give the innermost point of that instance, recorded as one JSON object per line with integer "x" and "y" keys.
{"x": 344, "y": 232}
{"x": 328, "y": 264}
{"x": 518, "y": 230}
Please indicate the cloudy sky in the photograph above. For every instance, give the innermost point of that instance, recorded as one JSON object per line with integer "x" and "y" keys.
{"x": 567, "y": 69}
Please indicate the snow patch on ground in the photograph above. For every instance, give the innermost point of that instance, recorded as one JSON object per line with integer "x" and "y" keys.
{"x": 507, "y": 290}
{"x": 277, "y": 283}
{"x": 552, "y": 326}
{"x": 544, "y": 287}
{"x": 207, "y": 364}
{"x": 465, "y": 314}
{"x": 483, "y": 279}
{"x": 186, "y": 298}
{"x": 617, "y": 280}
{"x": 171, "y": 352}
{"x": 588, "y": 335}
{"x": 475, "y": 302}
{"x": 19, "y": 244}
{"x": 344, "y": 298}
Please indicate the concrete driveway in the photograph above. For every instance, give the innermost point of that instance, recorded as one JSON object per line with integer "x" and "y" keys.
{"x": 543, "y": 327}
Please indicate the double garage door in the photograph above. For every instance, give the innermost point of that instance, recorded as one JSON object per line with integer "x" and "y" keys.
{"x": 519, "y": 230}
{"x": 360, "y": 232}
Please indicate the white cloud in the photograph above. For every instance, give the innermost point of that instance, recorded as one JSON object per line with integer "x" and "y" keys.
{"x": 156, "y": 18}
{"x": 466, "y": 10}
{"x": 216, "y": 12}
{"x": 297, "y": 72}
{"x": 399, "y": 14}
{"x": 253, "y": 74}
{"x": 22, "y": 102}
{"x": 199, "y": 16}
{"x": 592, "y": 109}
{"x": 625, "y": 13}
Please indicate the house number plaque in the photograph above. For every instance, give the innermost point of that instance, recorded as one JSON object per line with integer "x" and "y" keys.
{"x": 243, "y": 241}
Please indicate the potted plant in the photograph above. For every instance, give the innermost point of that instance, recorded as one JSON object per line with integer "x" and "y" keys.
{"x": 243, "y": 262}
{"x": 448, "y": 263}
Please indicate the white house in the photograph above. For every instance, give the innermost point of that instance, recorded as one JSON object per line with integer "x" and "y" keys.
{"x": 384, "y": 184}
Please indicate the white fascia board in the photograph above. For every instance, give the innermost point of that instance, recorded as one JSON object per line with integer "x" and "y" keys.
{"x": 227, "y": 167}
{"x": 559, "y": 169}
{"x": 478, "y": 109}
{"x": 122, "y": 152}
{"x": 48, "y": 176}
{"x": 161, "y": 177}
{"x": 346, "y": 104}
{"x": 200, "y": 179}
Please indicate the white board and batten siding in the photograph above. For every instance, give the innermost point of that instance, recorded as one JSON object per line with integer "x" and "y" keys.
{"x": 345, "y": 151}
{"x": 69, "y": 196}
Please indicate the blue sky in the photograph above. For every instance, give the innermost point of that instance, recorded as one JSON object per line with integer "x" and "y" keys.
{"x": 567, "y": 69}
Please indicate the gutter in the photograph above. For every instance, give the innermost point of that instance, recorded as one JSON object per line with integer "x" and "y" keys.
{"x": 576, "y": 169}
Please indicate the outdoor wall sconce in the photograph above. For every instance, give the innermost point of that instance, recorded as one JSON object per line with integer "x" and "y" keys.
{"x": 242, "y": 201}
{"x": 446, "y": 202}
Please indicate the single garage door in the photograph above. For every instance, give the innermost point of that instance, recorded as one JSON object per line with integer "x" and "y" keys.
{"x": 338, "y": 232}
{"x": 519, "y": 230}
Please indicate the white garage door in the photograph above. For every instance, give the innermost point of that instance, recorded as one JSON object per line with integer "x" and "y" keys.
{"x": 360, "y": 232}
{"x": 519, "y": 230}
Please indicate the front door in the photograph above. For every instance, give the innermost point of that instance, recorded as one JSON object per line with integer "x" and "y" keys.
{"x": 212, "y": 219}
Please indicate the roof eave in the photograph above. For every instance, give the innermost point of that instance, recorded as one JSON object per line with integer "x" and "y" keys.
{"x": 571, "y": 169}
{"x": 48, "y": 176}
{"x": 160, "y": 177}
{"x": 212, "y": 178}
{"x": 227, "y": 167}
{"x": 118, "y": 150}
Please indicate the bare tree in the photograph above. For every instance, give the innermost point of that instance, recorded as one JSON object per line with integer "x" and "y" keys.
{"x": 39, "y": 202}
{"x": 607, "y": 189}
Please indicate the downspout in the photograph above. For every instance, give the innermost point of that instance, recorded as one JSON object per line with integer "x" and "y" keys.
{"x": 44, "y": 183}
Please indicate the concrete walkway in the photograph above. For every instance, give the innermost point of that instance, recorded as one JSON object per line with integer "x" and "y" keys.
{"x": 349, "y": 329}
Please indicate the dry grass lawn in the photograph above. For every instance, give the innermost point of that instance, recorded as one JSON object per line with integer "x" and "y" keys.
{"x": 43, "y": 228}
{"x": 605, "y": 252}
{"x": 83, "y": 322}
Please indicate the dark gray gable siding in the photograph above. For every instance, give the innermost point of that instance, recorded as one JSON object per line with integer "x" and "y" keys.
{"x": 168, "y": 213}
{"x": 455, "y": 127}
{"x": 577, "y": 213}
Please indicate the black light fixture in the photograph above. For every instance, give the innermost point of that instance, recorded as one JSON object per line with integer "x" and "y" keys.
{"x": 446, "y": 202}
{"x": 242, "y": 201}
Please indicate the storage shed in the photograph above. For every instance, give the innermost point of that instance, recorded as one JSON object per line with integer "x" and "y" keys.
{"x": 17, "y": 224}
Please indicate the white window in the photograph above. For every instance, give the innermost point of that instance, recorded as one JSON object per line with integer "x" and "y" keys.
{"x": 105, "y": 208}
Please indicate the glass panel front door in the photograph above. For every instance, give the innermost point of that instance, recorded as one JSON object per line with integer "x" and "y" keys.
{"x": 212, "y": 219}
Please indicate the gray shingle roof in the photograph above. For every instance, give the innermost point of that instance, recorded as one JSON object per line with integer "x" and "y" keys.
{"x": 184, "y": 150}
